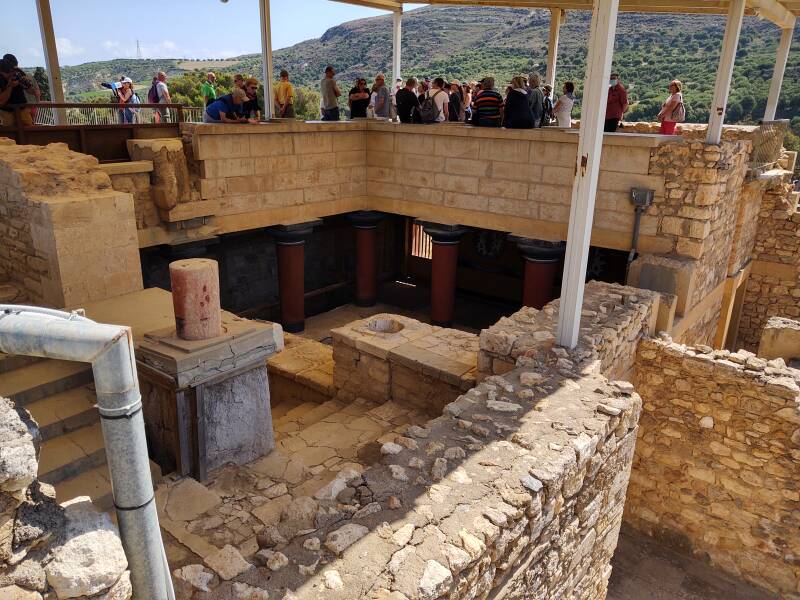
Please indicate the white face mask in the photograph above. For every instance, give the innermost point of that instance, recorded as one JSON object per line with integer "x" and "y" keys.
{"x": 613, "y": 82}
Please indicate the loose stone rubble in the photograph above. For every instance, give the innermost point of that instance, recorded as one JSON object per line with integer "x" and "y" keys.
{"x": 717, "y": 466}
{"x": 49, "y": 550}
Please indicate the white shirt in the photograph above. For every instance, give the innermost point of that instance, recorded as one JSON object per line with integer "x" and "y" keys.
{"x": 161, "y": 88}
{"x": 564, "y": 114}
{"x": 440, "y": 98}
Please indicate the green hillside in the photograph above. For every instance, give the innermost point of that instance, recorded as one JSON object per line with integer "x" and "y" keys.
{"x": 469, "y": 43}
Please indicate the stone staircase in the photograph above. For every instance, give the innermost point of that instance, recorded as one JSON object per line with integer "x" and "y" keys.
{"x": 316, "y": 446}
{"x": 60, "y": 397}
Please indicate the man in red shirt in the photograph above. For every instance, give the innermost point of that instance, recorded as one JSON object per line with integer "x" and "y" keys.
{"x": 617, "y": 103}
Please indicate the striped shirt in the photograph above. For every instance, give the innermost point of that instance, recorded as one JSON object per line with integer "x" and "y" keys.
{"x": 487, "y": 106}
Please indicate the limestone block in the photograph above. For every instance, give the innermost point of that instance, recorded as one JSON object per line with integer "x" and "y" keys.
{"x": 19, "y": 438}
{"x": 171, "y": 181}
{"x": 91, "y": 559}
{"x": 664, "y": 274}
{"x": 780, "y": 339}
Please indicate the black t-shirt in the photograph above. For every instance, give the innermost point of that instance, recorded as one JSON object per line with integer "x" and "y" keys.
{"x": 17, "y": 94}
{"x": 406, "y": 102}
{"x": 358, "y": 108}
{"x": 250, "y": 106}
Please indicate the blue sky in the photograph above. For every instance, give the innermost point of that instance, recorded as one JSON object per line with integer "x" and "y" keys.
{"x": 89, "y": 30}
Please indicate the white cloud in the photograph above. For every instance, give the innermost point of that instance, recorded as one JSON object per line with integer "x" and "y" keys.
{"x": 67, "y": 49}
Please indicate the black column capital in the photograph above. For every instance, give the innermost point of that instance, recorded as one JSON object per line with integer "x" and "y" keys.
{"x": 538, "y": 250}
{"x": 443, "y": 233}
{"x": 294, "y": 234}
{"x": 365, "y": 219}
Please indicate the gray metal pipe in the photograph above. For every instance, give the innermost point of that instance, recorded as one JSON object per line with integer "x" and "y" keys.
{"x": 109, "y": 348}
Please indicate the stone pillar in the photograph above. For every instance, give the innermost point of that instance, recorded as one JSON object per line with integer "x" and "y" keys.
{"x": 443, "y": 270}
{"x": 195, "y": 298}
{"x": 366, "y": 224}
{"x": 541, "y": 266}
{"x": 290, "y": 243}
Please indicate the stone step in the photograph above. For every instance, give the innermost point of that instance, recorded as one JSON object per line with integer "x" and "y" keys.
{"x": 96, "y": 483}
{"x": 320, "y": 412}
{"x": 279, "y": 410}
{"x": 10, "y": 362}
{"x": 64, "y": 412}
{"x": 289, "y": 421}
{"x": 71, "y": 454}
{"x": 44, "y": 378}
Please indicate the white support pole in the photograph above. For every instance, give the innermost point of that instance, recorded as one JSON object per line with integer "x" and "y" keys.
{"x": 266, "y": 57}
{"x": 51, "y": 57}
{"x": 777, "y": 74}
{"x": 397, "y": 42}
{"x": 587, "y": 169}
{"x": 727, "y": 57}
{"x": 556, "y": 15}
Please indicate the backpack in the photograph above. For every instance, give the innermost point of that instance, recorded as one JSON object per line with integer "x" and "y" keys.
{"x": 428, "y": 111}
{"x": 678, "y": 113}
{"x": 152, "y": 94}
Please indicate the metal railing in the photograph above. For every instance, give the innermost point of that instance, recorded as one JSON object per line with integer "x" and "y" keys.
{"x": 113, "y": 114}
{"x": 767, "y": 145}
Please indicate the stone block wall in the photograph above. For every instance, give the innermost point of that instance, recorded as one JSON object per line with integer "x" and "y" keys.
{"x": 717, "y": 465}
{"x": 614, "y": 319}
{"x": 773, "y": 288}
{"x": 393, "y": 357}
{"x": 69, "y": 238}
{"x": 521, "y": 175}
{"x": 134, "y": 178}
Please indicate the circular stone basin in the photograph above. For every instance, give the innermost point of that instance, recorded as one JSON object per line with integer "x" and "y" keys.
{"x": 384, "y": 325}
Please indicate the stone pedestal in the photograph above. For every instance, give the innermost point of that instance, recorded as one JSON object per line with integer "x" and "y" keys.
{"x": 443, "y": 270}
{"x": 290, "y": 242}
{"x": 366, "y": 224}
{"x": 195, "y": 298}
{"x": 207, "y": 402}
{"x": 541, "y": 266}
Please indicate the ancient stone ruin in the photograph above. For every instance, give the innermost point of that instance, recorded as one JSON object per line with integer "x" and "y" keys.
{"x": 47, "y": 549}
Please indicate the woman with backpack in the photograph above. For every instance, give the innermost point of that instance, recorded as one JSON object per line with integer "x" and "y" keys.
{"x": 673, "y": 111}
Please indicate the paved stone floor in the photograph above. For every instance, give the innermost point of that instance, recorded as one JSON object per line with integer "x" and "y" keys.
{"x": 644, "y": 570}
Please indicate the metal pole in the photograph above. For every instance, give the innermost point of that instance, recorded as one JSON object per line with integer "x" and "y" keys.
{"x": 587, "y": 169}
{"x": 36, "y": 332}
{"x": 777, "y": 74}
{"x": 727, "y": 57}
{"x": 397, "y": 42}
{"x": 266, "y": 57}
{"x": 51, "y": 59}
{"x": 552, "y": 47}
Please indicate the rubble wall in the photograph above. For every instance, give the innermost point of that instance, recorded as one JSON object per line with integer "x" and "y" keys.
{"x": 717, "y": 465}
{"x": 48, "y": 550}
{"x": 614, "y": 319}
{"x": 773, "y": 288}
{"x": 68, "y": 237}
{"x": 701, "y": 215}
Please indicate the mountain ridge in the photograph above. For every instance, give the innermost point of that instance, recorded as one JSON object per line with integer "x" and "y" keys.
{"x": 470, "y": 42}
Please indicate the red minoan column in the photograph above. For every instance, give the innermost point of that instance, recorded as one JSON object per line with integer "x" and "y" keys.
{"x": 366, "y": 225}
{"x": 541, "y": 266}
{"x": 195, "y": 298}
{"x": 290, "y": 244}
{"x": 443, "y": 271}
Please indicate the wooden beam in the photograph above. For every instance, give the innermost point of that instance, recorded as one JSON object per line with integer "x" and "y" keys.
{"x": 51, "y": 58}
{"x": 587, "y": 168}
{"x": 552, "y": 46}
{"x": 727, "y": 57}
{"x": 379, "y": 4}
{"x": 777, "y": 74}
{"x": 774, "y": 11}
